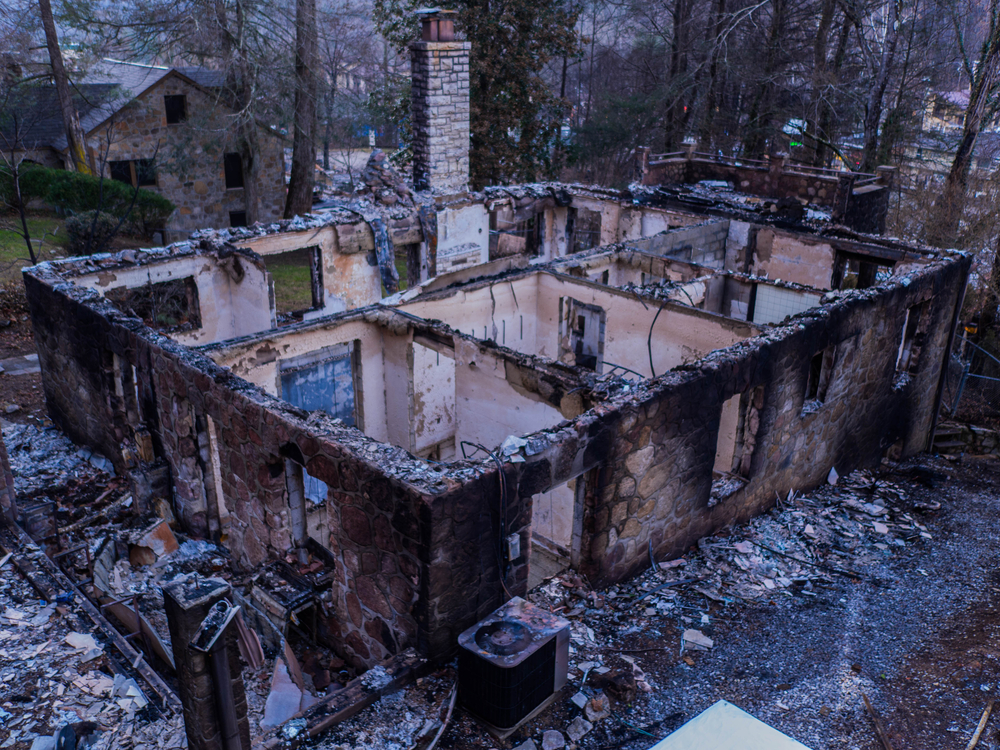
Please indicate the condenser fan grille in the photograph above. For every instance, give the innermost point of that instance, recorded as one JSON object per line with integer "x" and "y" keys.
{"x": 503, "y": 638}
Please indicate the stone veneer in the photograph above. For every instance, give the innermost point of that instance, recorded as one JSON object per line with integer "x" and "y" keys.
{"x": 190, "y": 156}
{"x": 416, "y": 545}
{"x": 440, "y": 95}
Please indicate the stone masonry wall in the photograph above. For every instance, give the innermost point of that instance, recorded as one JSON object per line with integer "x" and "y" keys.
{"x": 379, "y": 525}
{"x": 440, "y": 95}
{"x": 656, "y": 482}
{"x": 417, "y": 549}
{"x": 703, "y": 243}
{"x": 190, "y": 156}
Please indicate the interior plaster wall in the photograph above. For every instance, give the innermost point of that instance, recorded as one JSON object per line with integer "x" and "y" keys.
{"x": 488, "y": 408}
{"x": 259, "y": 362}
{"x": 228, "y": 308}
{"x": 679, "y": 335}
{"x": 793, "y": 257}
{"x": 434, "y": 408}
{"x": 503, "y": 311}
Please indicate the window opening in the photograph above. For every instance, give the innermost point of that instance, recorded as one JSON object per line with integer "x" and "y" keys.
{"x": 582, "y": 339}
{"x": 237, "y": 218}
{"x": 167, "y": 305}
{"x": 298, "y": 282}
{"x": 855, "y": 272}
{"x": 820, "y": 372}
{"x": 234, "y": 171}
{"x": 145, "y": 172}
{"x": 176, "y": 108}
{"x": 586, "y": 230}
{"x": 121, "y": 171}
{"x": 914, "y": 334}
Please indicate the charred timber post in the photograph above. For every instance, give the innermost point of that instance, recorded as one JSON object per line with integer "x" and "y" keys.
{"x": 200, "y": 674}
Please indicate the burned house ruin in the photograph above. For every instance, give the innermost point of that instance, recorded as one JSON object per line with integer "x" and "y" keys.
{"x": 573, "y": 377}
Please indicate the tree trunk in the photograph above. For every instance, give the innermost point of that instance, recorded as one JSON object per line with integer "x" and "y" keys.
{"x": 241, "y": 88}
{"x": 820, "y": 79}
{"x": 303, "y": 174}
{"x": 674, "y": 119}
{"x": 876, "y": 94}
{"x": 707, "y": 131}
{"x": 758, "y": 121}
{"x": 825, "y": 120}
{"x": 947, "y": 212}
{"x": 75, "y": 139}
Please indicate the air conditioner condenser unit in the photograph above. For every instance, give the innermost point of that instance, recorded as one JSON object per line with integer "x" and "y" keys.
{"x": 511, "y": 664}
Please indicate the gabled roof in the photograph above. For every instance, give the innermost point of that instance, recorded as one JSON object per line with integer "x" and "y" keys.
{"x": 105, "y": 88}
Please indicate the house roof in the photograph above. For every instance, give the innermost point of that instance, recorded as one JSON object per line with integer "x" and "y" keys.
{"x": 36, "y": 121}
{"x": 955, "y": 98}
{"x": 105, "y": 88}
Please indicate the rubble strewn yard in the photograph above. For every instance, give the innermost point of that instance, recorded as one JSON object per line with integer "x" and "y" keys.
{"x": 54, "y": 676}
{"x": 883, "y": 588}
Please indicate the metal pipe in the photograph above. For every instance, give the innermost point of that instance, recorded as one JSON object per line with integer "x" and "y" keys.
{"x": 218, "y": 659}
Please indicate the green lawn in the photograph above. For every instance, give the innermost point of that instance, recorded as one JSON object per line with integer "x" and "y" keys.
{"x": 48, "y": 238}
{"x": 292, "y": 280}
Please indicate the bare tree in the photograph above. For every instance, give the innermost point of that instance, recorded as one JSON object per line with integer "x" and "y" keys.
{"x": 71, "y": 119}
{"x": 303, "y": 174}
{"x": 943, "y": 227}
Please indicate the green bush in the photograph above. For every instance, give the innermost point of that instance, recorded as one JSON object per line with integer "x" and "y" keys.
{"x": 79, "y": 227}
{"x": 76, "y": 193}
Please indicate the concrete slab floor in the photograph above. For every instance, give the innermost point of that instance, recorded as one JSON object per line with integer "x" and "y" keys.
{"x": 918, "y": 635}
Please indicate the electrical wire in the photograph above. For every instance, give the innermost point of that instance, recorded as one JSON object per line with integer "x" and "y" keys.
{"x": 504, "y": 569}
{"x": 649, "y": 339}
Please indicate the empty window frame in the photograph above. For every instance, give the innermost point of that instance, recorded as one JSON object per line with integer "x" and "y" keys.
{"x": 586, "y": 229}
{"x": 326, "y": 380}
{"x": 859, "y": 272}
{"x": 145, "y": 172}
{"x": 237, "y": 218}
{"x": 914, "y": 335}
{"x": 175, "y": 106}
{"x": 135, "y": 172}
{"x": 298, "y": 281}
{"x": 820, "y": 373}
{"x": 739, "y": 424}
{"x": 233, "y": 165}
{"x": 167, "y": 305}
{"x": 120, "y": 171}
{"x": 581, "y": 336}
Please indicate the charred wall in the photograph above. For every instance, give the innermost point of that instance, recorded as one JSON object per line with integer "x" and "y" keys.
{"x": 656, "y": 485}
{"x": 380, "y": 525}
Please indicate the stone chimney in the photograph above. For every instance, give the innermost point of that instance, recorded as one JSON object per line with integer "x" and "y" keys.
{"x": 440, "y": 94}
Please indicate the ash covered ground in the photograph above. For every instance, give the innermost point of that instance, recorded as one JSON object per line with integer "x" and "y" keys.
{"x": 903, "y": 610}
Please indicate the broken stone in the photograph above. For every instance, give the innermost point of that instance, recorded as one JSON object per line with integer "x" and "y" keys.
{"x": 697, "y": 640}
{"x": 597, "y": 708}
{"x": 553, "y": 740}
{"x": 528, "y": 744}
{"x": 155, "y": 542}
{"x": 578, "y": 728}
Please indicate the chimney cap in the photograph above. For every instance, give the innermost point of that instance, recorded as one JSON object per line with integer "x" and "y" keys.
{"x": 437, "y": 24}
{"x": 427, "y": 14}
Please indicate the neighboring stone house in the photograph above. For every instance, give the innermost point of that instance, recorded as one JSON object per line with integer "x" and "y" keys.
{"x": 165, "y": 130}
